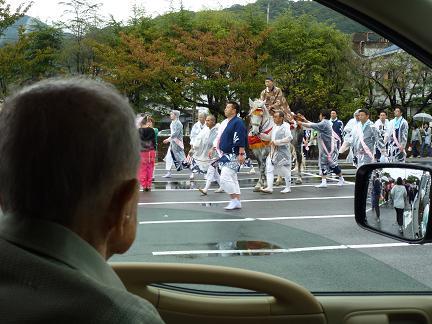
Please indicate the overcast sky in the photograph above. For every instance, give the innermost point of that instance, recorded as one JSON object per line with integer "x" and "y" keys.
{"x": 49, "y": 10}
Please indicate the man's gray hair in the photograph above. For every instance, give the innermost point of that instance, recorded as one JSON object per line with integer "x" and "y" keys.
{"x": 64, "y": 144}
{"x": 212, "y": 117}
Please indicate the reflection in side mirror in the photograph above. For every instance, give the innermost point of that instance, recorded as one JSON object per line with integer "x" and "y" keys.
{"x": 394, "y": 200}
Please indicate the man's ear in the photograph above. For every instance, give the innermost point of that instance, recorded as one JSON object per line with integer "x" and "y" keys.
{"x": 122, "y": 218}
{"x": 123, "y": 201}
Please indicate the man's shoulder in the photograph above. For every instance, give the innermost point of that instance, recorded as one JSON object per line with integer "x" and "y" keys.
{"x": 240, "y": 122}
{"x": 53, "y": 290}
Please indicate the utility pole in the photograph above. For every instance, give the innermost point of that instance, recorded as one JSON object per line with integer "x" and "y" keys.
{"x": 268, "y": 18}
{"x": 268, "y": 12}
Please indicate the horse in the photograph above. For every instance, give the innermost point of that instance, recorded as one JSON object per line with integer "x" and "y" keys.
{"x": 262, "y": 122}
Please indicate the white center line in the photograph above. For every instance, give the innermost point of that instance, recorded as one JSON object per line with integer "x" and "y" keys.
{"x": 250, "y": 188}
{"x": 304, "y": 217}
{"x": 199, "y": 221}
{"x": 247, "y": 219}
{"x": 243, "y": 201}
{"x": 292, "y": 250}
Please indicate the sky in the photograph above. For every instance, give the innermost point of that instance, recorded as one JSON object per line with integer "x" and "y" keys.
{"x": 50, "y": 10}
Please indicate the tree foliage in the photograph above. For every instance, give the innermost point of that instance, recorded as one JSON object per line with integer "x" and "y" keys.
{"x": 8, "y": 17}
{"x": 311, "y": 61}
{"x": 35, "y": 56}
{"x": 184, "y": 59}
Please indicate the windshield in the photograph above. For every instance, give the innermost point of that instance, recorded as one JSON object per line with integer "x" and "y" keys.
{"x": 284, "y": 63}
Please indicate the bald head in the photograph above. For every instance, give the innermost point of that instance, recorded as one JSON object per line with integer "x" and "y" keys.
{"x": 64, "y": 144}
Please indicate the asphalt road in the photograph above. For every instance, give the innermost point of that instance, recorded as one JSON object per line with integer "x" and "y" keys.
{"x": 308, "y": 236}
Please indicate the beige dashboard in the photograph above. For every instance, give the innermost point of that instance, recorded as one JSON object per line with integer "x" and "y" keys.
{"x": 286, "y": 302}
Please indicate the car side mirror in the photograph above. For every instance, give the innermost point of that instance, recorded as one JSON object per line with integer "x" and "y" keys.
{"x": 394, "y": 200}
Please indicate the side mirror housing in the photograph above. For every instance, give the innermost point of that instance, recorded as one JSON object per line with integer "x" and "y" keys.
{"x": 393, "y": 199}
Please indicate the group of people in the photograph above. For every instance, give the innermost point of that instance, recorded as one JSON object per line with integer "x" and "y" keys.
{"x": 219, "y": 150}
{"x": 213, "y": 146}
{"x": 421, "y": 139}
{"x": 399, "y": 192}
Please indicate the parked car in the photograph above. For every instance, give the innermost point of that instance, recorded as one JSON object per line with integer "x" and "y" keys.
{"x": 164, "y": 133}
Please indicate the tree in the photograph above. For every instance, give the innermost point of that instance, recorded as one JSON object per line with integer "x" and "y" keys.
{"x": 7, "y": 17}
{"x": 214, "y": 62}
{"x": 35, "y": 56}
{"x": 311, "y": 63}
{"x": 393, "y": 79}
{"x": 83, "y": 18}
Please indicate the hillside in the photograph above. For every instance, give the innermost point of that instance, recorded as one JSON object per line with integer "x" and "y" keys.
{"x": 298, "y": 8}
{"x": 11, "y": 33}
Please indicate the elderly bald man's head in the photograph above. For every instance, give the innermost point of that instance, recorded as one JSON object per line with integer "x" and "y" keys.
{"x": 64, "y": 145}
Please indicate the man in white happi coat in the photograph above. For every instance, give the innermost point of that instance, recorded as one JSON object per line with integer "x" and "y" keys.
{"x": 279, "y": 158}
{"x": 175, "y": 154}
{"x": 327, "y": 146}
{"x": 382, "y": 125}
{"x": 365, "y": 139}
{"x": 348, "y": 137}
{"x": 204, "y": 155}
{"x": 397, "y": 137}
{"x": 195, "y": 131}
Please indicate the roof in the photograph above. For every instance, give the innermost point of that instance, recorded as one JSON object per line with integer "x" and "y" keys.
{"x": 387, "y": 51}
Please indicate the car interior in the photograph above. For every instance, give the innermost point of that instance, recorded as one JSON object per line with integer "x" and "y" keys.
{"x": 265, "y": 298}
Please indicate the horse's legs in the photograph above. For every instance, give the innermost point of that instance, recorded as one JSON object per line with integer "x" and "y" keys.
{"x": 259, "y": 184}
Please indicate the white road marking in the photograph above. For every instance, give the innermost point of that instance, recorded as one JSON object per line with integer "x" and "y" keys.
{"x": 304, "y": 217}
{"x": 292, "y": 250}
{"x": 250, "y": 188}
{"x": 333, "y": 178}
{"x": 200, "y": 221}
{"x": 247, "y": 219}
{"x": 176, "y": 179}
{"x": 243, "y": 201}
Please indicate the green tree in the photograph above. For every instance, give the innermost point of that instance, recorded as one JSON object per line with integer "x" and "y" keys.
{"x": 397, "y": 78}
{"x": 83, "y": 17}
{"x": 311, "y": 63}
{"x": 7, "y": 17}
{"x": 214, "y": 62}
{"x": 35, "y": 56}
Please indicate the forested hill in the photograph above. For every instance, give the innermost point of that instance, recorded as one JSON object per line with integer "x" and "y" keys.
{"x": 298, "y": 8}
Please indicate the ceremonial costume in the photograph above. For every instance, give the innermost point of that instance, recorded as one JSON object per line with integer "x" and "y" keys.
{"x": 279, "y": 158}
{"x": 397, "y": 137}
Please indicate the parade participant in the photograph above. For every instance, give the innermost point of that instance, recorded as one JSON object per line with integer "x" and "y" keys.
{"x": 274, "y": 98}
{"x": 348, "y": 138}
{"x": 382, "y": 125}
{"x": 415, "y": 140}
{"x": 327, "y": 147}
{"x": 426, "y": 144}
{"x": 204, "y": 154}
{"x": 280, "y": 155}
{"x": 55, "y": 241}
{"x": 337, "y": 125}
{"x": 376, "y": 195}
{"x": 399, "y": 196}
{"x": 175, "y": 154}
{"x": 232, "y": 143}
{"x": 196, "y": 129}
{"x": 311, "y": 143}
{"x": 365, "y": 139}
{"x": 397, "y": 137}
{"x": 147, "y": 152}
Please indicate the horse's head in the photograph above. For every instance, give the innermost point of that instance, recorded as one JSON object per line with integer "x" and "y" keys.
{"x": 257, "y": 114}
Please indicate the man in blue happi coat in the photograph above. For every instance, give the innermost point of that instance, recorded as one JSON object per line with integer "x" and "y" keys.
{"x": 231, "y": 144}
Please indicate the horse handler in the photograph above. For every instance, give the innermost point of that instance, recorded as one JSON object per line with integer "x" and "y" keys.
{"x": 280, "y": 154}
{"x": 232, "y": 143}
